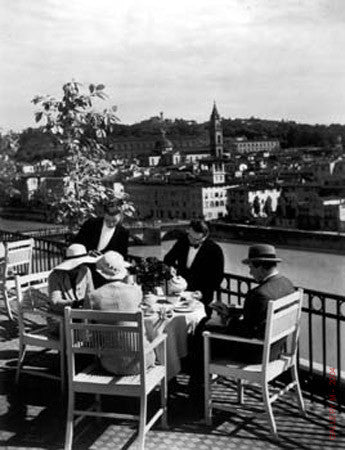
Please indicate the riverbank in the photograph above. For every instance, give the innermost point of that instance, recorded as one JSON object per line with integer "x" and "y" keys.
{"x": 316, "y": 241}
{"x": 19, "y": 226}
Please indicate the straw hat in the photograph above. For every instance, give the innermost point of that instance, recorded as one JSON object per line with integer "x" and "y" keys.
{"x": 112, "y": 266}
{"x": 76, "y": 255}
{"x": 261, "y": 252}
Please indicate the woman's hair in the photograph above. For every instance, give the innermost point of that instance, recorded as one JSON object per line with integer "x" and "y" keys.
{"x": 200, "y": 226}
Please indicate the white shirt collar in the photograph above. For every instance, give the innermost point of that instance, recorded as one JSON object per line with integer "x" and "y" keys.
{"x": 269, "y": 276}
{"x": 106, "y": 234}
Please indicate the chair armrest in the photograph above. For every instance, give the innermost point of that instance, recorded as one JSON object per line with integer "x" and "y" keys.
{"x": 43, "y": 313}
{"x": 228, "y": 337}
{"x": 9, "y": 283}
{"x": 156, "y": 342}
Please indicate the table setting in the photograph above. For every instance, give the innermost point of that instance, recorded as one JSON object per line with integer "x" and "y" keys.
{"x": 168, "y": 307}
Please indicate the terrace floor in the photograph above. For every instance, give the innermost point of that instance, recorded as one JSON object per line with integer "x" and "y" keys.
{"x": 33, "y": 417}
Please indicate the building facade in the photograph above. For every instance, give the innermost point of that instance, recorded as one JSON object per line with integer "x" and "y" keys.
{"x": 244, "y": 146}
{"x": 184, "y": 200}
{"x": 244, "y": 202}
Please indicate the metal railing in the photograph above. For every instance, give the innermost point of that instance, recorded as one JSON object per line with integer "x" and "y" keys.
{"x": 321, "y": 355}
{"x": 46, "y": 253}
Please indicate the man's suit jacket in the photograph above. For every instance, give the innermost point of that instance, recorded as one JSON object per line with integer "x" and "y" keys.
{"x": 90, "y": 233}
{"x": 207, "y": 270}
{"x": 254, "y": 317}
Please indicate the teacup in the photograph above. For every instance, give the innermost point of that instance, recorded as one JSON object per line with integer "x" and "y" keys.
{"x": 174, "y": 298}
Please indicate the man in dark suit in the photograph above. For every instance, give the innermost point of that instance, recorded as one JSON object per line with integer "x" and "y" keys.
{"x": 102, "y": 234}
{"x": 262, "y": 262}
{"x": 199, "y": 260}
{"x": 249, "y": 322}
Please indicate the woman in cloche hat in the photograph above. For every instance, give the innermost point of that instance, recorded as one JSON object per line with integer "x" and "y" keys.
{"x": 70, "y": 282}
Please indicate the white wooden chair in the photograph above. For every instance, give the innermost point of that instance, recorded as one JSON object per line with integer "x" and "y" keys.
{"x": 283, "y": 321}
{"x": 34, "y": 329}
{"x": 98, "y": 333}
{"x": 17, "y": 261}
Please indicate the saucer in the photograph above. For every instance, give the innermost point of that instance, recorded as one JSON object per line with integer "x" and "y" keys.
{"x": 183, "y": 309}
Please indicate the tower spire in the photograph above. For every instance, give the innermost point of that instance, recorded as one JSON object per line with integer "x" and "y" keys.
{"x": 216, "y": 133}
{"x": 215, "y": 113}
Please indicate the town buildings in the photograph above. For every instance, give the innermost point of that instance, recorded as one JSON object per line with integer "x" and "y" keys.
{"x": 173, "y": 194}
{"x": 216, "y": 177}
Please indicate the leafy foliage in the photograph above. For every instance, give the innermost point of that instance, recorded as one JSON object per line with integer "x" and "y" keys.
{"x": 150, "y": 272}
{"x": 81, "y": 131}
{"x": 9, "y": 172}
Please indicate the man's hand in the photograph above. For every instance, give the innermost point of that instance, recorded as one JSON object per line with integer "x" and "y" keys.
{"x": 197, "y": 295}
{"x": 173, "y": 271}
{"x": 221, "y": 308}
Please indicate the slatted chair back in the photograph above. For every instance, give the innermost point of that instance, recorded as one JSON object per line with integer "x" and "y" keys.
{"x": 32, "y": 295}
{"x": 18, "y": 257}
{"x": 33, "y": 324}
{"x": 283, "y": 322}
{"x": 17, "y": 260}
{"x": 118, "y": 335}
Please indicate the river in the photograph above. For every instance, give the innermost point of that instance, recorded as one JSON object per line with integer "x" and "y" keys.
{"x": 319, "y": 271}
{"x": 312, "y": 270}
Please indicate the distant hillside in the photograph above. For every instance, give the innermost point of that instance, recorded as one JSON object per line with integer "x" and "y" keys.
{"x": 34, "y": 144}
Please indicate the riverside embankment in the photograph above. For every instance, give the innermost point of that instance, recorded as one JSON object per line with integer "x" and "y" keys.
{"x": 319, "y": 241}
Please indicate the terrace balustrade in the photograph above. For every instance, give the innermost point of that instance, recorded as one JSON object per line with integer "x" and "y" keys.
{"x": 322, "y": 336}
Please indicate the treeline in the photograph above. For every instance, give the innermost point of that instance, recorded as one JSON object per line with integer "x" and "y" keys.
{"x": 290, "y": 134}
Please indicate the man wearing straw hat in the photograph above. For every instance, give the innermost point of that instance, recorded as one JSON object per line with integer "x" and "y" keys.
{"x": 249, "y": 321}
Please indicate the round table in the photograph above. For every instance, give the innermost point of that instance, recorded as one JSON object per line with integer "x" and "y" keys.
{"x": 177, "y": 328}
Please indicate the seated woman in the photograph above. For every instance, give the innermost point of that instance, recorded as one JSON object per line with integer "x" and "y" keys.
{"x": 117, "y": 295}
{"x": 70, "y": 282}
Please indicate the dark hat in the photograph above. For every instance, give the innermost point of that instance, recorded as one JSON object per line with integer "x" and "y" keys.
{"x": 261, "y": 252}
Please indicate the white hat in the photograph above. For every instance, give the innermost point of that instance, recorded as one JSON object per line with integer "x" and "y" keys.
{"x": 112, "y": 266}
{"x": 76, "y": 255}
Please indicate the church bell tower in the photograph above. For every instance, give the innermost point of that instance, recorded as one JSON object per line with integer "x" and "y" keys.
{"x": 216, "y": 134}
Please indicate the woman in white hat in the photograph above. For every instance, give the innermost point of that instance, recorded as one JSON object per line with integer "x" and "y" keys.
{"x": 117, "y": 295}
{"x": 70, "y": 282}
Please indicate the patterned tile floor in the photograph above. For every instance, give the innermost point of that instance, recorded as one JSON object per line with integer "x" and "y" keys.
{"x": 33, "y": 417}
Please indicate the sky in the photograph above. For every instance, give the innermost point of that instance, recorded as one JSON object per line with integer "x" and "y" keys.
{"x": 273, "y": 59}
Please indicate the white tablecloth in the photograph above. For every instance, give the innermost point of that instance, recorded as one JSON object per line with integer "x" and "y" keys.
{"x": 177, "y": 328}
